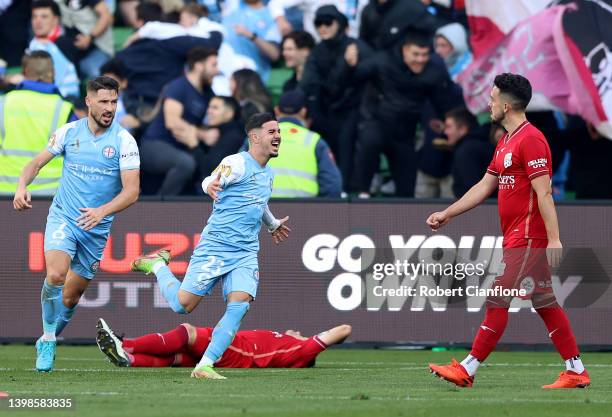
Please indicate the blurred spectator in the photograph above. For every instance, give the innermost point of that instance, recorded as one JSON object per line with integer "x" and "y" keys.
{"x": 590, "y": 159}
{"x": 88, "y": 40}
{"x": 152, "y": 63}
{"x": 472, "y": 151}
{"x": 224, "y": 134}
{"x": 406, "y": 79}
{"x": 250, "y": 92}
{"x": 251, "y": 32}
{"x": 31, "y": 114}
{"x": 171, "y": 144}
{"x": 14, "y": 30}
{"x": 384, "y": 23}
{"x": 451, "y": 44}
{"x": 47, "y": 29}
{"x": 333, "y": 99}
{"x": 350, "y": 8}
{"x": 296, "y": 49}
{"x": 127, "y": 9}
{"x": 305, "y": 166}
{"x": 115, "y": 70}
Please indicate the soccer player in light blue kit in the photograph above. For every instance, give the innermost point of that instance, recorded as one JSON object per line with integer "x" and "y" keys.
{"x": 240, "y": 187}
{"x": 100, "y": 177}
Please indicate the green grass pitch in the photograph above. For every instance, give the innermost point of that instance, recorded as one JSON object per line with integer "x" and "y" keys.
{"x": 346, "y": 382}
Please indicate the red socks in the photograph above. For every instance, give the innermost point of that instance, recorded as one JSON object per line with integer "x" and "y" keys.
{"x": 142, "y": 360}
{"x": 158, "y": 343}
{"x": 560, "y": 331}
{"x": 490, "y": 332}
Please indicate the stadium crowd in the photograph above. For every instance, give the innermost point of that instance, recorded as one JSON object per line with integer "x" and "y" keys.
{"x": 365, "y": 92}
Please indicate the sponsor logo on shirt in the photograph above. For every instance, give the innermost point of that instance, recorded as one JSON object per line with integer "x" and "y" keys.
{"x": 109, "y": 152}
{"x": 129, "y": 154}
{"x": 538, "y": 163}
{"x": 508, "y": 160}
{"x": 506, "y": 182}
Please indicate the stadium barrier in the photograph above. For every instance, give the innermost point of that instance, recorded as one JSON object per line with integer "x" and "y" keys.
{"x": 313, "y": 280}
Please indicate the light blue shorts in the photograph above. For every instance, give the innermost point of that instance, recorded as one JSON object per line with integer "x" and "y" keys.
{"x": 239, "y": 271}
{"x": 85, "y": 248}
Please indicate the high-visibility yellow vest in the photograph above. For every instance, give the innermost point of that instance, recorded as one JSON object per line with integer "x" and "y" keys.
{"x": 27, "y": 120}
{"x": 295, "y": 169}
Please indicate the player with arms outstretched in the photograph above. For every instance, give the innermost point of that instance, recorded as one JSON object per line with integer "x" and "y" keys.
{"x": 240, "y": 187}
{"x": 100, "y": 177}
{"x": 185, "y": 345}
{"x": 521, "y": 172}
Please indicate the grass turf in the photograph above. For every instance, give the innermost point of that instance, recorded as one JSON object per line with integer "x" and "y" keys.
{"x": 344, "y": 383}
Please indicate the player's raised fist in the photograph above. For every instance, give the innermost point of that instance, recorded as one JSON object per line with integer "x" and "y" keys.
{"x": 437, "y": 220}
{"x": 215, "y": 187}
{"x": 22, "y": 200}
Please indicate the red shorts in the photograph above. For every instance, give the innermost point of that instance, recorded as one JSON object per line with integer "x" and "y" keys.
{"x": 262, "y": 349}
{"x": 525, "y": 267}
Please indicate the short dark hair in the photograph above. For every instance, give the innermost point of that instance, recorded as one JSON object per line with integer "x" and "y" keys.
{"x": 197, "y": 54}
{"x": 102, "y": 83}
{"x": 417, "y": 38}
{"x": 114, "y": 66}
{"x": 301, "y": 38}
{"x": 149, "y": 11}
{"x": 258, "y": 120}
{"x": 462, "y": 116}
{"x": 47, "y": 4}
{"x": 516, "y": 86}
{"x": 232, "y": 103}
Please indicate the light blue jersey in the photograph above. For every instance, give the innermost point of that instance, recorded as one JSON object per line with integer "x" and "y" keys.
{"x": 91, "y": 177}
{"x": 258, "y": 21}
{"x": 230, "y": 241}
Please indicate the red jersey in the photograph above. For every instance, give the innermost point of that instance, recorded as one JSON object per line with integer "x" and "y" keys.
{"x": 262, "y": 349}
{"x": 520, "y": 157}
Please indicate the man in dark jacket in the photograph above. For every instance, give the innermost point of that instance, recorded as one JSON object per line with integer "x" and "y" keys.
{"x": 472, "y": 150}
{"x": 151, "y": 64}
{"x": 405, "y": 79}
{"x": 384, "y": 23}
{"x": 333, "y": 100}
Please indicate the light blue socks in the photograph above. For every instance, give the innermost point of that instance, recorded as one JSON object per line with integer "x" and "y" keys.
{"x": 51, "y": 302}
{"x": 169, "y": 287}
{"x": 224, "y": 332}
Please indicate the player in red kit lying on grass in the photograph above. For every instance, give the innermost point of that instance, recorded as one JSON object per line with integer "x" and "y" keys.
{"x": 185, "y": 344}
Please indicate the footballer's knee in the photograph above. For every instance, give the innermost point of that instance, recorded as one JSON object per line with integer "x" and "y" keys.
{"x": 188, "y": 301}
{"x": 55, "y": 276}
{"x": 191, "y": 333}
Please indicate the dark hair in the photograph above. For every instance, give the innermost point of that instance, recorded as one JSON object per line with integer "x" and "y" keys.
{"x": 301, "y": 38}
{"x": 516, "y": 86}
{"x": 232, "y": 104}
{"x": 462, "y": 116}
{"x": 47, "y": 4}
{"x": 38, "y": 66}
{"x": 197, "y": 54}
{"x": 249, "y": 86}
{"x": 114, "y": 66}
{"x": 102, "y": 83}
{"x": 149, "y": 11}
{"x": 258, "y": 120}
{"x": 417, "y": 38}
{"x": 195, "y": 9}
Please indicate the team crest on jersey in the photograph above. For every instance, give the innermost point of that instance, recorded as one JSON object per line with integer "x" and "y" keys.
{"x": 95, "y": 266}
{"x": 109, "y": 152}
{"x": 528, "y": 284}
{"x": 508, "y": 160}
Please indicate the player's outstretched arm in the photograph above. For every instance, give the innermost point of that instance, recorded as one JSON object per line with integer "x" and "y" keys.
{"x": 130, "y": 180}
{"x": 336, "y": 335}
{"x": 23, "y": 198}
{"x": 475, "y": 195}
{"x": 277, "y": 228}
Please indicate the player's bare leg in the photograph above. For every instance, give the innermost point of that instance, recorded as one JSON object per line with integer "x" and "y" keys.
{"x": 58, "y": 263}
{"x": 223, "y": 334}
